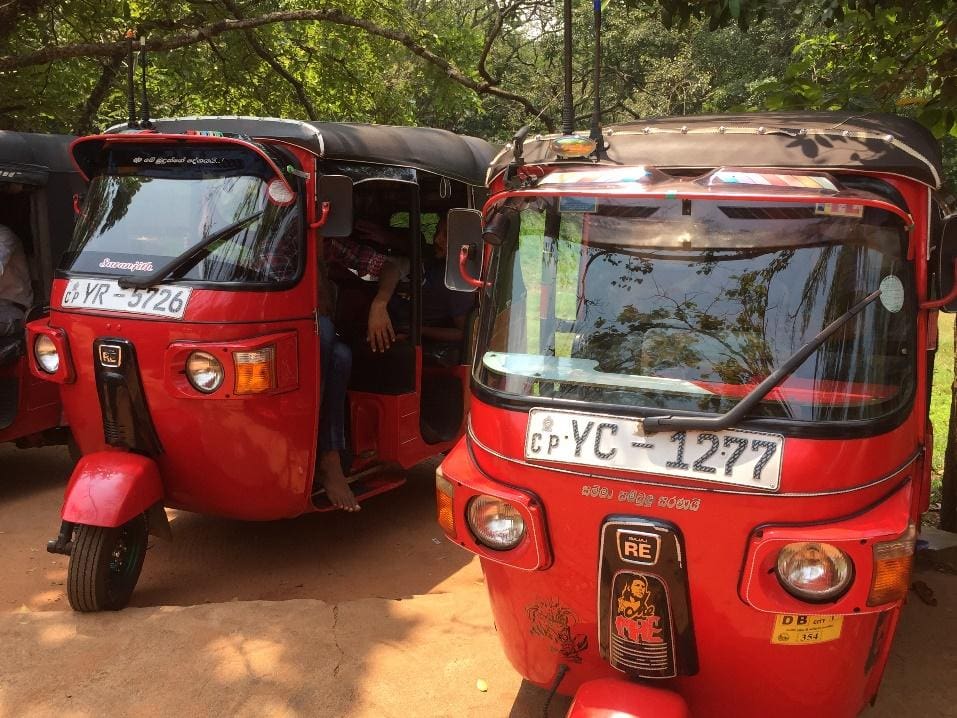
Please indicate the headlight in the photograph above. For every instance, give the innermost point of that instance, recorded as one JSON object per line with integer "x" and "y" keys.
{"x": 495, "y": 523}
{"x": 204, "y": 371}
{"x": 814, "y": 572}
{"x": 46, "y": 354}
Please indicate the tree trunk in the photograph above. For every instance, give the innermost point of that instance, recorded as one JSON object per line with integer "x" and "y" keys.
{"x": 948, "y": 489}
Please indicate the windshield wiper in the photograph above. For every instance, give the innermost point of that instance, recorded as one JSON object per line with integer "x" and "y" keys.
{"x": 753, "y": 397}
{"x": 189, "y": 257}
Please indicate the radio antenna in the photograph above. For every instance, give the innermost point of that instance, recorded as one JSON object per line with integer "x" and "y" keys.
{"x": 596, "y": 112}
{"x": 568, "y": 111}
{"x": 130, "y": 82}
{"x": 145, "y": 103}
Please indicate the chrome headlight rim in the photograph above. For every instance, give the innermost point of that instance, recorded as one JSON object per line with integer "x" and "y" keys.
{"x": 47, "y": 356}
{"x": 832, "y": 554}
{"x": 213, "y": 367}
{"x": 479, "y": 529}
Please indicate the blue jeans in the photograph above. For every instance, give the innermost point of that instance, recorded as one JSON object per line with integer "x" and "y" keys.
{"x": 335, "y": 364}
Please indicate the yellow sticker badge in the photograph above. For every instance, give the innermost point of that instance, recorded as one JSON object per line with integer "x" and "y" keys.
{"x": 797, "y": 630}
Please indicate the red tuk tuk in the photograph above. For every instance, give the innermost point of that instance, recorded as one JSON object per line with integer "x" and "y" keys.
{"x": 698, "y": 446}
{"x": 37, "y": 183}
{"x": 184, "y": 331}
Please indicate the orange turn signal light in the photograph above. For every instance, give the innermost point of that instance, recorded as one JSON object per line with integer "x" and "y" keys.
{"x": 445, "y": 506}
{"x": 893, "y": 561}
{"x": 255, "y": 370}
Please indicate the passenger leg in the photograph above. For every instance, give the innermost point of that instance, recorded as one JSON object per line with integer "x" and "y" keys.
{"x": 336, "y": 365}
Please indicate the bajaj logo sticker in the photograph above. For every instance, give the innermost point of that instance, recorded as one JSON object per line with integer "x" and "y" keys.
{"x": 111, "y": 355}
{"x": 636, "y": 547}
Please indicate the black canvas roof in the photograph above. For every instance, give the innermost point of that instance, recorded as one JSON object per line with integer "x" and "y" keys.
{"x": 818, "y": 140}
{"x": 445, "y": 153}
{"x": 29, "y": 158}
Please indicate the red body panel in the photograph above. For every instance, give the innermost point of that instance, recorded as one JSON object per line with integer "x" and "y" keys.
{"x": 38, "y": 403}
{"x": 218, "y": 451}
{"x": 610, "y": 698}
{"x": 733, "y": 639}
{"x": 108, "y": 488}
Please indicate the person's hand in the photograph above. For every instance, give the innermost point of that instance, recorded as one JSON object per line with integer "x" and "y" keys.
{"x": 381, "y": 334}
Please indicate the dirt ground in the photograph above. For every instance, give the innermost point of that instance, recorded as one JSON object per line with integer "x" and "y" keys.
{"x": 287, "y": 619}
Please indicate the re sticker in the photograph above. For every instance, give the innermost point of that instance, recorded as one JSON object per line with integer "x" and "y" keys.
{"x": 797, "y": 630}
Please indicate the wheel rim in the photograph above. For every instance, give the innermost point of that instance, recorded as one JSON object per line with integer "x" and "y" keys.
{"x": 125, "y": 559}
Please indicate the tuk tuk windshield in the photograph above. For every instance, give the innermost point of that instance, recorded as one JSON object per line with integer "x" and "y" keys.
{"x": 681, "y": 305}
{"x": 150, "y": 203}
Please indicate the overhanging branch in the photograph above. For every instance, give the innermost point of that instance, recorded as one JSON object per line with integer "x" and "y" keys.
{"x": 205, "y": 32}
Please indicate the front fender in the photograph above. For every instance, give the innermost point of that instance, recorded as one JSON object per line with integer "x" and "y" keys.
{"x": 108, "y": 488}
{"x": 615, "y": 698}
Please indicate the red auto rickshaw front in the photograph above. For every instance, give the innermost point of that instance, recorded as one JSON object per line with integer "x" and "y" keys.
{"x": 696, "y": 456}
{"x": 565, "y": 598}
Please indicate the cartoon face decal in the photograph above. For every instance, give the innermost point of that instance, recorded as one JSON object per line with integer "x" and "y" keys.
{"x": 551, "y": 620}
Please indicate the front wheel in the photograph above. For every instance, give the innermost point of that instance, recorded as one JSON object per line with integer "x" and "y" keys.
{"x": 105, "y": 564}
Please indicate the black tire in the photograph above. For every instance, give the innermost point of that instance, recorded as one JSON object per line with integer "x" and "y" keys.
{"x": 105, "y": 564}
{"x": 74, "y": 449}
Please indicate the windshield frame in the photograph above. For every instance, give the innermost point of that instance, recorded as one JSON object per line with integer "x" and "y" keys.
{"x": 272, "y": 154}
{"x": 837, "y": 429}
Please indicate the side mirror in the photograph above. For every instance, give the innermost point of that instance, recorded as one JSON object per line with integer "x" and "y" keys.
{"x": 466, "y": 249}
{"x": 334, "y": 205}
{"x": 943, "y": 261}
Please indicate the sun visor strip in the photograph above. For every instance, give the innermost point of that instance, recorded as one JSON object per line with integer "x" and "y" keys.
{"x": 85, "y": 151}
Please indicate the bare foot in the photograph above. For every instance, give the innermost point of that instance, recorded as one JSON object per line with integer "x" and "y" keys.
{"x": 335, "y": 484}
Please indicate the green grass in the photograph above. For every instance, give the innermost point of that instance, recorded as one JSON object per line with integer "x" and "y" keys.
{"x": 940, "y": 398}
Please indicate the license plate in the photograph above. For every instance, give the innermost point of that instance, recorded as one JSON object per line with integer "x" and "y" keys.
{"x": 106, "y": 294}
{"x": 740, "y": 458}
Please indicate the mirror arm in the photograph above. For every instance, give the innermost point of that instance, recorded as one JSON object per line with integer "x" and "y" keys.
{"x": 464, "y": 253}
{"x": 951, "y": 295}
{"x": 323, "y": 216}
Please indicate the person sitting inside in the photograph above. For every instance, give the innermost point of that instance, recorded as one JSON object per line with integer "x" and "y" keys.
{"x": 444, "y": 314}
{"x": 444, "y": 311}
{"x": 362, "y": 258}
{"x": 336, "y": 357}
{"x": 16, "y": 294}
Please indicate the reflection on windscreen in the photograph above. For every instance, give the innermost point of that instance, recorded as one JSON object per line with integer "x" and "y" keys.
{"x": 138, "y": 215}
{"x": 640, "y": 303}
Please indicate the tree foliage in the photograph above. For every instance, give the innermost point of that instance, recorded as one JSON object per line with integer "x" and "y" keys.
{"x": 874, "y": 55}
{"x": 479, "y": 66}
